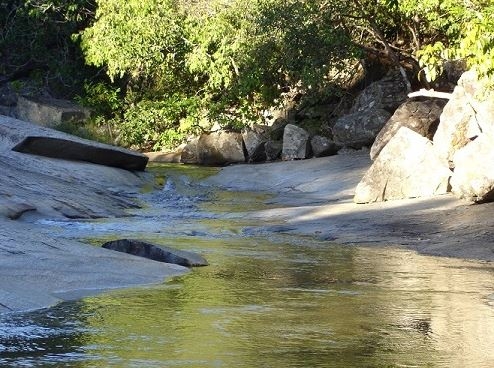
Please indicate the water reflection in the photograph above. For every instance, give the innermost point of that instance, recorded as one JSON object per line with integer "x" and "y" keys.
{"x": 262, "y": 304}
{"x": 272, "y": 301}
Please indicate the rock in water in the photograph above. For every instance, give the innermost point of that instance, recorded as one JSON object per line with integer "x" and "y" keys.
{"x": 66, "y": 149}
{"x": 158, "y": 253}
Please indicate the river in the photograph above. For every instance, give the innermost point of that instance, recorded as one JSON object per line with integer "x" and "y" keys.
{"x": 266, "y": 300}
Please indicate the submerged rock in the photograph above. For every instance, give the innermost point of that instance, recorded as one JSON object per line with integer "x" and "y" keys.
{"x": 155, "y": 252}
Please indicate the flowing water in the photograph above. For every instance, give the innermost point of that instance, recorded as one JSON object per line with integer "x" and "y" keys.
{"x": 264, "y": 301}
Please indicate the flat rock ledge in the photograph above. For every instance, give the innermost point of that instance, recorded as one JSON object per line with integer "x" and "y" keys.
{"x": 38, "y": 271}
{"x": 38, "y": 268}
{"x": 315, "y": 198}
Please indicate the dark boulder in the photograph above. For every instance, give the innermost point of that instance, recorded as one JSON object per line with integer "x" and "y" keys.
{"x": 66, "y": 149}
{"x": 273, "y": 150}
{"x": 323, "y": 146}
{"x": 158, "y": 253}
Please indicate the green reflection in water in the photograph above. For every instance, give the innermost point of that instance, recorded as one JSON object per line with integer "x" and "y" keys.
{"x": 269, "y": 302}
{"x": 261, "y": 304}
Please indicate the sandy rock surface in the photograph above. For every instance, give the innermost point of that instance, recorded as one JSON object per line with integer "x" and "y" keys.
{"x": 315, "y": 197}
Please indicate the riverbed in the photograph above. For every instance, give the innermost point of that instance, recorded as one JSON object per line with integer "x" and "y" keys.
{"x": 268, "y": 299}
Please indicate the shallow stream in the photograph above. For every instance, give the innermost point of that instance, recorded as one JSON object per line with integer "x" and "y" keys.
{"x": 265, "y": 300}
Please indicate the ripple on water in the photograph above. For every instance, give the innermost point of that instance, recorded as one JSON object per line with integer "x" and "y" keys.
{"x": 266, "y": 300}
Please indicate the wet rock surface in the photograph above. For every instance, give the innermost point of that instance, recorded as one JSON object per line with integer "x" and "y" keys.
{"x": 156, "y": 252}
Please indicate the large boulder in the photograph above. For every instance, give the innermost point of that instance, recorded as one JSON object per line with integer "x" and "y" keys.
{"x": 465, "y": 137}
{"x": 323, "y": 146}
{"x": 190, "y": 154}
{"x": 473, "y": 177}
{"x": 68, "y": 149}
{"x": 371, "y": 110}
{"x": 254, "y": 141}
{"x": 295, "y": 143}
{"x": 360, "y": 128}
{"x": 155, "y": 252}
{"x": 50, "y": 112}
{"x": 460, "y": 123}
{"x": 420, "y": 115}
{"x": 220, "y": 148}
{"x": 273, "y": 150}
{"x": 387, "y": 93}
{"x": 407, "y": 167}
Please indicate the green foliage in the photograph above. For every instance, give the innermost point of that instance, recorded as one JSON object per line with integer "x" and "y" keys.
{"x": 35, "y": 42}
{"x": 176, "y": 67}
{"x": 141, "y": 40}
{"x": 451, "y": 29}
{"x": 102, "y": 98}
{"x": 158, "y": 124}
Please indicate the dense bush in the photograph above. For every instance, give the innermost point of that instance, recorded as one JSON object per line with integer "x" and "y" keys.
{"x": 175, "y": 67}
{"x": 35, "y": 43}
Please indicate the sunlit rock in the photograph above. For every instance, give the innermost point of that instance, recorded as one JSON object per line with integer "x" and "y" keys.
{"x": 459, "y": 124}
{"x": 420, "y": 115}
{"x": 295, "y": 143}
{"x": 406, "y": 168}
{"x": 473, "y": 177}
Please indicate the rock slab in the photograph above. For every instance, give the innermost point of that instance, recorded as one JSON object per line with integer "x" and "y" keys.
{"x": 155, "y": 252}
{"x": 406, "y": 168}
{"x": 66, "y": 149}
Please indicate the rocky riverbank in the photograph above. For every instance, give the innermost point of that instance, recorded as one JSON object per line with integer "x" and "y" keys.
{"x": 36, "y": 269}
{"x": 315, "y": 198}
